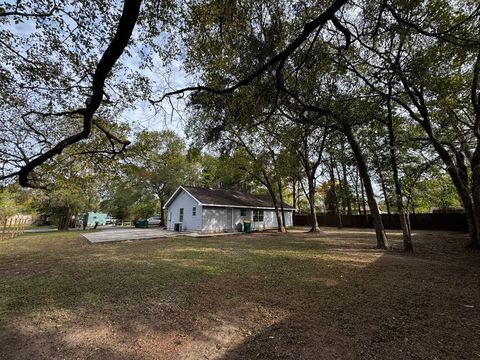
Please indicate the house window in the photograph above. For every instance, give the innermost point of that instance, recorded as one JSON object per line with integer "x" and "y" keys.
{"x": 194, "y": 211}
{"x": 181, "y": 214}
{"x": 243, "y": 212}
{"x": 257, "y": 215}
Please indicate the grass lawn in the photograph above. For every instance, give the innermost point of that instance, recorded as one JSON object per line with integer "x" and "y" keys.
{"x": 263, "y": 296}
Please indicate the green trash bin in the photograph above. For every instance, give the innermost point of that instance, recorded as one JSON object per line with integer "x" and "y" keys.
{"x": 142, "y": 224}
{"x": 247, "y": 226}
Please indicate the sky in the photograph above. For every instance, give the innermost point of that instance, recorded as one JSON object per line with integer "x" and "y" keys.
{"x": 144, "y": 116}
{"x": 167, "y": 77}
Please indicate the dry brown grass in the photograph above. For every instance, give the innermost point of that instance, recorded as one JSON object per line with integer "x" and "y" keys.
{"x": 267, "y": 296}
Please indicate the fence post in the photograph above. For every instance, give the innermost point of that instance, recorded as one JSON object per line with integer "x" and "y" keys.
{"x": 10, "y": 227}
{"x": 15, "y": 226}
{"x": 4, "y": 228}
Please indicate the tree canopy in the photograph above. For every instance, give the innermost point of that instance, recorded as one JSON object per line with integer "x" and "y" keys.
{"x": 367, "y": 100}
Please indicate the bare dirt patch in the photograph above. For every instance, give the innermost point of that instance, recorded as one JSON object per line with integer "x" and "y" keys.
{"x": 259, "y": 296}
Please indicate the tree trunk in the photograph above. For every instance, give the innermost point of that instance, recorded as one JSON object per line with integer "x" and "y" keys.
{"x": 407, "y": 236}
{"x": 277, "y": 215}
{"x": 382, "y": 241}
{"x": 407, "y": 239}
{"x": 341, "y": 187}
{"x": 294, "y": 194}
{"x": 475, "y": 165}
{"x": 64, "y": 220}
{"x": 277, "y": 212}
{"x": 345, "y": 182}
{"x": 311, "y": 203}
{"x": 269, "y": 187}
{"x": 459, "y": 175}
{"x": 364, "y": 206}
{"x": 346, "y": 190}
{"x": 162, "y": 213}
{"x": 275, "y": 205}
{"x": 279, "y": 182}
{"x": 384, "y": 190}
{"x": 460, "y": 180}
{"x": 335, "y": 196}
{"x": 357, "y": 195}
{"x": 475, "y": 159}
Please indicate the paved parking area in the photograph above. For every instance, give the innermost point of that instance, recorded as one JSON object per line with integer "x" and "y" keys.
{"x": 128, "y": 234}
{"x": 113, "y": 235}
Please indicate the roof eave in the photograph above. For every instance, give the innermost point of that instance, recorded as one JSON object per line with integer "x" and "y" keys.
{"x": 246, "y": 207}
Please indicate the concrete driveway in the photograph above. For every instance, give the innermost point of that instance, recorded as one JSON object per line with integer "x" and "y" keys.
{"x": 127, "y": 234}
{"x": 113, "y": 235}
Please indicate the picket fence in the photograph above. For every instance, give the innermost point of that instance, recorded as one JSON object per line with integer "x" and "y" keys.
{"x": 12, "y": 226}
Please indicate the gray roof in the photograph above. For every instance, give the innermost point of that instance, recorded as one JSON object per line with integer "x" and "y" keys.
{"x": 219, "y": 197}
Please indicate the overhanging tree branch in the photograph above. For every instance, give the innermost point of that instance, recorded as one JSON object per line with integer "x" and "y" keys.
{"x": 115, "y": 49}
{"x": 445, "y": 35}
{"x": 309, "y": 28}
{"x": 15, "y": 12}
{"x": 112, "y": 138}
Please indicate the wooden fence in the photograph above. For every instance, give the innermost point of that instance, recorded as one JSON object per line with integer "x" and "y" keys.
{"x": 12, "y": 226}
{"x": 439, "y": 221}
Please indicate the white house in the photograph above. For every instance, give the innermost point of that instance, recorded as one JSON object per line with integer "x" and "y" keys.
{"x": 216, "y": 210}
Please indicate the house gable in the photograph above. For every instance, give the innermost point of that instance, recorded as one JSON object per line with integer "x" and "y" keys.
{"x": 176, "y": 193}
{"x": 184, "y": 209}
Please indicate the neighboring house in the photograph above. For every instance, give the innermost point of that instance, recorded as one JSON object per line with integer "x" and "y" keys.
{"x": 215, "y": 210}
{"x": 91, "y": 218}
